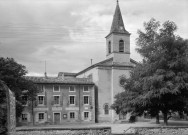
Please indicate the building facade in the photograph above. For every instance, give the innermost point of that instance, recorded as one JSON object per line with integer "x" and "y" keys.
{"x": 58, "y": 103}
{"x": 60, "y": 100}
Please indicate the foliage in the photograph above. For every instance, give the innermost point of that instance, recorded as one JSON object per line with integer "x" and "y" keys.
{"x": 160, "y": 81}
{"x": 13, "y": 75}
{"x": 3, "y": 110}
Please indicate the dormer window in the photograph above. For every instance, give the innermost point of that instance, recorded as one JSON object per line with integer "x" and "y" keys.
{"x": 121, "y": 46}
{"x": 109, "y": 47}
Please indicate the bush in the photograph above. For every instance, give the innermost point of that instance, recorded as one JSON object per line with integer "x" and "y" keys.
{"x": 132, "y": 119}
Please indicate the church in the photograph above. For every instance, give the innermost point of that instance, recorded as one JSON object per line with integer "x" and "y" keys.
{"x": 86, "y": 96}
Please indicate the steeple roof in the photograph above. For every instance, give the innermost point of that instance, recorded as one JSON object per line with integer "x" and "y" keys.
{"x": 117, "y": 23}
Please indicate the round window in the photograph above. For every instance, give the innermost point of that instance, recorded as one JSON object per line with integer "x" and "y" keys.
{"x": 122, "y": 81}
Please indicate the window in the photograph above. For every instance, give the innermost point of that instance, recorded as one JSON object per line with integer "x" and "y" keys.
{"x": 41, "y": 100}
{"x": 24, "y": 117}
{"x": 56, "y": 100}
{"x": 56, "y": 88}
{"x": 86, "y": 115}
{"x": 72, "y": 100}
{"x": 106, "y": 109}
{"x": 121, "y": 46}
{"x": 41, "y": 116}
{"x": 72, "y": 115}
{"x": 86, "y": 89}
{"x": 109, "y": 47}
{"x": 86, "y": 100}
{"x": 41, "y": 88}
{"x": 71, "y": 89}
{"x": 24, "y": 99}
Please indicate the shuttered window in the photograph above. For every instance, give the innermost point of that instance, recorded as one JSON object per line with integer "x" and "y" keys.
{"x": 41, "y": 100}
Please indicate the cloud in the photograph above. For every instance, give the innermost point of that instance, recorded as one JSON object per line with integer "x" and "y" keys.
{"x": 67, "y": 34}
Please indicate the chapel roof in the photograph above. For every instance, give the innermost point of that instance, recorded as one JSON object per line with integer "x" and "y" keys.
{"x": 109, "y": 63}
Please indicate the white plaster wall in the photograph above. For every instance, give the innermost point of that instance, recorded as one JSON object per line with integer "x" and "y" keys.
{"x": 121, "y": 57}
{"x": 104, "y": 93}
{"x": 116, "y": 88}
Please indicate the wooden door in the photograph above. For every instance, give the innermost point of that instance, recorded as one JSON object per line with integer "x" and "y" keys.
{"x": 56, "y": 118}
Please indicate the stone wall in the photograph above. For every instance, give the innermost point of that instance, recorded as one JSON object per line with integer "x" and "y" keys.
{"x": 7, "y": 106}
{"x": 158, "y": 130}
{"x": 66, "y": 131}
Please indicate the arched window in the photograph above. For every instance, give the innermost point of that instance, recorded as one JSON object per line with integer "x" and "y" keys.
{"x": 106, "y": 109}
{"x": 121, "y": 46}
{"x": 109, "y": 47}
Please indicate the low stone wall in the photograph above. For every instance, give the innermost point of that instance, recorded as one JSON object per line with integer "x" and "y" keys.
{"x": 66, "y": 131}
{"x": 158, "y": 130}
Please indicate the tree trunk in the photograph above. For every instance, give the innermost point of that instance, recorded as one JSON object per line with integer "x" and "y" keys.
{"x": 32, "y": 109}
{"x": 165, "y": 118}
{"x": 157, "y": 119}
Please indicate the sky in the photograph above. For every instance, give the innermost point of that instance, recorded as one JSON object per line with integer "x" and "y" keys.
{"x": 67, "y": 34}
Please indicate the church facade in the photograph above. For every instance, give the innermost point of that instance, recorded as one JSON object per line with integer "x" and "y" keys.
{"x": 109, "y": 75}
{"x": 102, "y": 81}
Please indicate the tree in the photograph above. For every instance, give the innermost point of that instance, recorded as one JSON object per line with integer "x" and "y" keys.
{"x": 30, "y": 92}
{"x": 162, "y": 77}
{"x": 3, "y": 109}
{"x": 13, "y": 75}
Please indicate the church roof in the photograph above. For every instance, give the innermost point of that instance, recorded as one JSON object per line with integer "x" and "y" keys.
{"x": 59, "y": 80}
{"x": 117, "y": 23}
{"x": 109, "y": 63}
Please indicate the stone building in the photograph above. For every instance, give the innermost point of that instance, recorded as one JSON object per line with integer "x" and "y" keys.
{"x": 61, "y": 99}
{"x": 104, "y": 80}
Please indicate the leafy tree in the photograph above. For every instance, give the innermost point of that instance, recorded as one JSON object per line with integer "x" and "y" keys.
{"x": 3, "y": 109}
{"x": 30, "y": 92}
{"x": 13, "y": 75}
{"x": 160, "y": 83}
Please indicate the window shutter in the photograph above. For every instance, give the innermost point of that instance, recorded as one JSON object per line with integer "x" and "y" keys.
{"x": 67, "y": 101}
{"x": 28, "y": 117}
{"x": 90, "y": 116}
{"x": 82, "y": 101}
{"x": 61, "y": 100}
{"x": 76, "y": 101}
{"x": 76, "y": 115}
{"x": 36, "y": 117}
{"x": 90, "y": 100}
{"x": 82, "y": 116}
{"x": 36, "y": 102}
{"x": 45, "y": 98}
{"x": 45, "y": 116}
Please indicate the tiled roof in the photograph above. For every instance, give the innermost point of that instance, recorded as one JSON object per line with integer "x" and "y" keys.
{"x": 55, "y": 80}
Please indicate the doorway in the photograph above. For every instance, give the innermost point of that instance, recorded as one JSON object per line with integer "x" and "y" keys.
{"x": 57, "y": 118}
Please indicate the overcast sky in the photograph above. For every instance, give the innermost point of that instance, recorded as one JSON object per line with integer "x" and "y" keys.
{"x": 68, "y": 33}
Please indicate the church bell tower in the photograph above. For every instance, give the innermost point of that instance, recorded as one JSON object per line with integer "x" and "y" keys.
{"x": 118, "y": 40}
